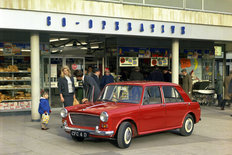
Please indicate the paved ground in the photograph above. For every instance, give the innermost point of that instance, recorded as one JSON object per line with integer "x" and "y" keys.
{"x": 213, "y": 135}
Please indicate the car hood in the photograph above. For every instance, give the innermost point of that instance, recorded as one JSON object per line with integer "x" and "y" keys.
{"x": 99, "y": 107}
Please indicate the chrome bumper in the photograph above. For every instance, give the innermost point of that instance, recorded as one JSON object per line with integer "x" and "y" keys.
{"x": 91, "y": 132}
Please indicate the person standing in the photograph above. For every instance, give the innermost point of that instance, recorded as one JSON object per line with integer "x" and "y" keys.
{"x": 187, "y": 83}
{"x": 106, "y": 79}
{"x": 156, "y": 75}
{"x": 92, "y": 91}
{"x": 167, "y": 75}
{"x": 44, "y": 110}
{"x": 219, "y": 89}
{"x": 96, "y": 76}
{"x": 136, "y": 75}
{"x": 66, "y": 87}
{"x": 90, "y": 71}
{"x": 227, "y": 90}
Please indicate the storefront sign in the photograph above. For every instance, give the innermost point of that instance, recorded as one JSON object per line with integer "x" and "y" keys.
{"x": 218, "y": 50}
{"x": 61, "y": 22}
{"x": 130, "y": 25}
{"x": 74, "y": 66}
{"x": 159, "y": 61}
{"x": 129, "y": 61}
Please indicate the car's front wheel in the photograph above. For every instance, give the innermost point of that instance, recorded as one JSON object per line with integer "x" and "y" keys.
{"x": 79, "y": 139}
{"x": 124, "y": 136}
{"x": 188, "y": 126}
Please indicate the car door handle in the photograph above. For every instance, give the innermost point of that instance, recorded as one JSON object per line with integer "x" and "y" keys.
{"x": 187, "y": 103}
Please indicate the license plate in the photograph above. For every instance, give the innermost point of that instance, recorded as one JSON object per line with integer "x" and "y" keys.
{"x": 80, "y": 134}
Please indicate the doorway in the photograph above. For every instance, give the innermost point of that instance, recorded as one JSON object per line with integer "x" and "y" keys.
{"x": 50, "y": 73}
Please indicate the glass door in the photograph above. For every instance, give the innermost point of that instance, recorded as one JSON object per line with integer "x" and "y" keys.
{"x": 76, "y": 64}
{"x": 50, "y": 73}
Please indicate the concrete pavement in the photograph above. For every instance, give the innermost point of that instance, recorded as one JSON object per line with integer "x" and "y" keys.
{"x": 213, "y": 135}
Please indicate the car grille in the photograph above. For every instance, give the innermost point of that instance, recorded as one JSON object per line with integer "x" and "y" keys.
{"x": 85, "y": 120}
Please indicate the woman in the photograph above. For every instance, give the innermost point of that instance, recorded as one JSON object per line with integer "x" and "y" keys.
{"x": 66, "y": 87}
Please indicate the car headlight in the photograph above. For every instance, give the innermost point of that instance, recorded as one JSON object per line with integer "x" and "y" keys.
{"x": 63, "y": 112}
{"x": 104, "y": 116}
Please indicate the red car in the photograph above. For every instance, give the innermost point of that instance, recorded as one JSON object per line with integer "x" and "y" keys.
{"x": 128, "y": 109}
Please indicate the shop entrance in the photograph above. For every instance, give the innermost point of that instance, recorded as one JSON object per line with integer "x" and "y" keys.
{"x": 51, "y": 69}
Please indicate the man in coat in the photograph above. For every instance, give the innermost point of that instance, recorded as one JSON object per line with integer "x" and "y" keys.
{"x": 107, "y": 78}
{"x": 156, "y": 75}
{"x": 96, "y": 76}
{"x": 219, "y": 89}
{"x": 187, "y": 83}
{"x": 136, "y": 75}
{"x": 91, "y": 88}
{"x": 227, "y": 90}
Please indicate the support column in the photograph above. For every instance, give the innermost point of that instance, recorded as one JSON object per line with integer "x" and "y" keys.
{"x": 224, "y": 72}
{"x": 175, "y": 61}
{"x": 35, "y": 76}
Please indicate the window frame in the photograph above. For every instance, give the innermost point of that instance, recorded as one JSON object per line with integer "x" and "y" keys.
{"x": 175, "y": 90}
{"x": 160, "y": 92}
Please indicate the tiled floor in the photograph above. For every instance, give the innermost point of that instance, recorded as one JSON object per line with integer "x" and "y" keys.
{"x": 213, "y": 135}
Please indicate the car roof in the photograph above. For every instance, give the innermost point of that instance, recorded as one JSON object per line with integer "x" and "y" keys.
{"x": 145, "y": 83}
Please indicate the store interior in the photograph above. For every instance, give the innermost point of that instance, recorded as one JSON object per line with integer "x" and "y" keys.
{"x": 79, "y": 51}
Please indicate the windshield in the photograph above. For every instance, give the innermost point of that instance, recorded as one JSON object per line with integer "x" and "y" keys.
{"x": 122, "y": 93}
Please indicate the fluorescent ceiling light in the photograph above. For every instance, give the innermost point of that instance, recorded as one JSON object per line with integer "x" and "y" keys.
{"x": 64, "y": 39}
{"x": 69, "y": 44}
{"x": 94, "y": 47}
{"x": 84, "y": 48}
{"x": 97, "y": 42}
{"x": 83, "y": 43}
{"x": 54, "y": 51}
{"x": 53, "y": 40}
{"x": 25, "y": 50}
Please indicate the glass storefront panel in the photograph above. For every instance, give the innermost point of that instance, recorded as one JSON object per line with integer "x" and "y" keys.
{"x": 50, "y": 73}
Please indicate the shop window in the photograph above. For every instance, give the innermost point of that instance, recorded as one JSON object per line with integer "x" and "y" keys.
{"x": 171, "y": 95}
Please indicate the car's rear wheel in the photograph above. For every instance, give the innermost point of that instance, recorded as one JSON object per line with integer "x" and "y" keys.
{"x": 188, "y": 126}
{"x": 125, "y": 134}
{"x": 79, "y": 139}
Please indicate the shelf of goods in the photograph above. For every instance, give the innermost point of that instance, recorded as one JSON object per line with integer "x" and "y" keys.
{"x": 15, "y": 83}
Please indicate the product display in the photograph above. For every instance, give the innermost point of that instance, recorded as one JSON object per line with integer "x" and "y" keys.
{"x": 15, "y": 105}
{"x": 15, "y": 82}
{"x": 10, "y": 68}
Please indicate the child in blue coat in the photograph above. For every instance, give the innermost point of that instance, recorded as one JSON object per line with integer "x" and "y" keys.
{"x": 44, "y": 110}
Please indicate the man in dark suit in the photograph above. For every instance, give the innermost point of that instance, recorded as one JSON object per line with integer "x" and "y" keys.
{"x": 91, "y": 88}
{"x": 156, "y": 75}
{"x": 96, "y": 76}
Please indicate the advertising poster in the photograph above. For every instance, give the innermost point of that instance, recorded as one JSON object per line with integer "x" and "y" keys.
{"x": 159, "y": 61}
{"x": 54, "y": 70}
{"x": 7, "y": 48}
{"x": 144, "y": 53}
{"x": 129, "y": 61}
{"x": 193, "y": 67}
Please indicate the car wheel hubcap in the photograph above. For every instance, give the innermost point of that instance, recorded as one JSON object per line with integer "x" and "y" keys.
{"x": 189, "y": 125}
{"x": 127, "y": 135}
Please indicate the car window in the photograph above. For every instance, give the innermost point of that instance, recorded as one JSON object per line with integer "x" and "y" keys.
{"x": 152, "y": 95}
{"x": 122, "y": 93}
{"x": 171, "y": 95}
